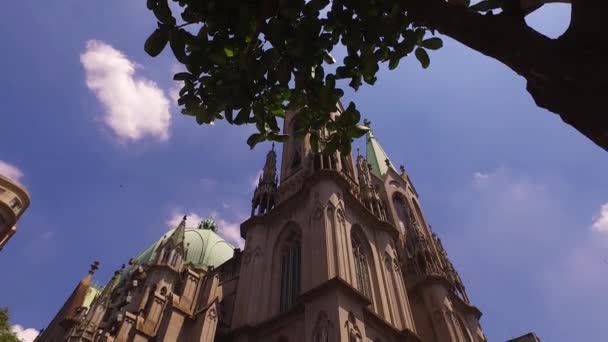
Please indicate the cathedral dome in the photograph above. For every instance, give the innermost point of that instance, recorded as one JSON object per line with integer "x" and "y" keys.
{"x": 205, "y": 247}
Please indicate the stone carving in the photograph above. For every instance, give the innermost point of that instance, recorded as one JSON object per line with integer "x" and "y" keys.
{"x": 322, "y": 329}
{"x": 212, "y": 315}
{"x": 352, "y": 330}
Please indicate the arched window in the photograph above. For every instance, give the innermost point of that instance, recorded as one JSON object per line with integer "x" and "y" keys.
{"x": 166, "y": 254}
{"x": 361, "y": 265}
{"x": 290, "y": 270}
{"x": 403, "y": 211}
{"x": 174, "y": 259}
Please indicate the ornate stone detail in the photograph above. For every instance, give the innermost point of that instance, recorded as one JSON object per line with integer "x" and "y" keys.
{"x": 323, "y": 329}
{"x": 212, "y": 314}
{"x": 352, "y": 330}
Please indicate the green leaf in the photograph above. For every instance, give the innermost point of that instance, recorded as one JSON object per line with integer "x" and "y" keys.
{"x": 393, "y": 63}
{"x": 243, "y": 116}
{"x": 229, "y": 52}
{"x": 423, "y": 57}
{"x": 434, "y": 43}
{"x": 328, "y": 58}
{"x": 182, "y": 76}
{"x": 229, "y": 115}
{"x": 155, "y": 44}
{"x": 178, "y": 45}
{"x": 255, "y": 139}
{"x": 163, "y": 13}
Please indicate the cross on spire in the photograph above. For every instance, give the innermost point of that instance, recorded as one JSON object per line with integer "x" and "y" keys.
{"x": 94, "y": 267}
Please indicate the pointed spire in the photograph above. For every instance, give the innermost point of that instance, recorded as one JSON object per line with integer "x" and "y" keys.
{"x": 179, "y": 233}
{"x": 265, "y": 192}
{"x": 375, "y": 155}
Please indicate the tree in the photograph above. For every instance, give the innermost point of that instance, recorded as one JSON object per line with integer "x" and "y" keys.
{"x": 250, "y": 61}
{"x": 6, "y": 335}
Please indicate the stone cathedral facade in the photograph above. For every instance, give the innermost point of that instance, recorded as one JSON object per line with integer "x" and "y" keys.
{"x": 336, "y": 249}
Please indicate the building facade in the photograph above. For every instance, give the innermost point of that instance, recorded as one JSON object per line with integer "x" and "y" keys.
{"x": 336, "y": 249}
{"x": 14, "y": 200}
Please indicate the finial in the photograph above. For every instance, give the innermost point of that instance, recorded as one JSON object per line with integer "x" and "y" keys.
{"x": 402, "y": 169}
{"x": 185, "y": 218}
{"x": 94, "y": 266}
{"x": 272, "y": 146}
{"x": 367, "y": 123}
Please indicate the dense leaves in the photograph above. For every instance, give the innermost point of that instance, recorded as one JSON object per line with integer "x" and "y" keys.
{"x": 251, "y": 61}
{"x": 5, "y": 330}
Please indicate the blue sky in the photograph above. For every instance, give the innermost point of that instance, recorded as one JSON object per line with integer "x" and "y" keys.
{"x": 89, "y": 126}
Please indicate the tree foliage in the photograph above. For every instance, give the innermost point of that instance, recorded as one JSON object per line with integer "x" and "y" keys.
{"x": 249, "y": 62}
{"x": 6, "y": 335}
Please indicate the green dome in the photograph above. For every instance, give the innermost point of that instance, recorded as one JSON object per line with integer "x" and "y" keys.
{"x": 205, "y": 248}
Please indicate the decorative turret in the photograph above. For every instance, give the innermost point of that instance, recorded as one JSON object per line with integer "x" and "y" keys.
{"x": 376, "y": 157}
{"x": 367, "y": 190}
{"x": 172, "y": 249}
{"x": 71, "y": 311}
{"x": 264, "y": 196}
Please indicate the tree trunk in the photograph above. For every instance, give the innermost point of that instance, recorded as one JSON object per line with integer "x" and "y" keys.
{"x": 567, "y": 75}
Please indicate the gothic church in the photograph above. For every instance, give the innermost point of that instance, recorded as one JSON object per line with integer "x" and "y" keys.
{"x": 336, "y": 249}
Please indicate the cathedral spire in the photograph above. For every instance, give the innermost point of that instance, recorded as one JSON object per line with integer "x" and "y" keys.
{"x": 264, "y": 197}
{"x": 376, "y": 157}
{"x": 179, "y": 233}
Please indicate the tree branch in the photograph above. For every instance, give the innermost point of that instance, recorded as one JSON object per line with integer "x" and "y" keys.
{"x": 567, "y": 76}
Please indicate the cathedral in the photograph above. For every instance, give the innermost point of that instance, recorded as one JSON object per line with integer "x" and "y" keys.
{"x": 336, "y": 249}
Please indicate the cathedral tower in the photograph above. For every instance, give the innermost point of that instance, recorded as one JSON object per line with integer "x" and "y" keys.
{"x": 322, "y": 264}
{"x": 441, "y": 307}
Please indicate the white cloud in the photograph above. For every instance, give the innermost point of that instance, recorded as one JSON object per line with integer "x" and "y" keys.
{"x": 478, "y": 176}
{"x": 25, "y": 335}
{"x": 134, "y": 106}
{"x": 174, "y": 92}
{"x": 10, "y": 171}
{"x": 600, "y": 221}
{"x": 227, "y": 229}
{"x": 192, "y": 220}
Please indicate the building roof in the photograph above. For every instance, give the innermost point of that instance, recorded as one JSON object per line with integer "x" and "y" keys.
{"x": 376, "y": 156}
{"x": 205, "y": 248}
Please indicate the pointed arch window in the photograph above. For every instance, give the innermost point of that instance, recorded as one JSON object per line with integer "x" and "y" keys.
{"x": 361, "y": 265}
{"x": 165, "y": 255}
{"x": 290, "y": 271}
{"x": 175, "y": 258}
{"x": 403, "y": 211}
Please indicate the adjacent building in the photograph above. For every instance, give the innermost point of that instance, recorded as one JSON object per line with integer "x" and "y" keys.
{"x": 337, "y": 248}
{"x": 14, "y": 200}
